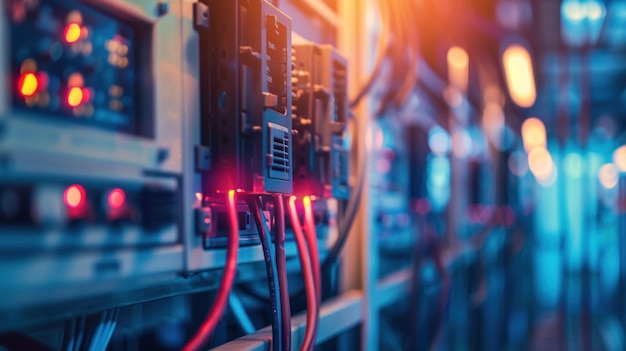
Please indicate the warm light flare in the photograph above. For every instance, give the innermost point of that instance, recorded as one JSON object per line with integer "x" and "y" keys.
{"x": 519, "y": 74}
{"x": 458, "y": 67}
{"x": 608, "y": 176}
{"x": 619, "y": 158}
{"x": 74, "y": 196}
{"x": 540, "y": 163}
{"x": 117, "y": 197}
{"x": 457, "y": 57}
{"x": 533, "y": 134}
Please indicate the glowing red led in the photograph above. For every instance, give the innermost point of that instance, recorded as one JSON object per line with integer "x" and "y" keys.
{"x": 74, "y": 196}
{"x": 117, "y": 197}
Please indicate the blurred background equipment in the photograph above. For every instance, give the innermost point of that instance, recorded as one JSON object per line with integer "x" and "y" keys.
{"x": 312, "y": 175}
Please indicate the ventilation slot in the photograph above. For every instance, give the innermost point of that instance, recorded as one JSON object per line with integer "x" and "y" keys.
{"x": 343, "y": 167}
{"x": 339, "y": 90}
{"x": 279, "y": 149}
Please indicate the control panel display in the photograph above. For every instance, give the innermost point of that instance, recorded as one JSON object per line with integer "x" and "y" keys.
{"x": 73, "y": 62}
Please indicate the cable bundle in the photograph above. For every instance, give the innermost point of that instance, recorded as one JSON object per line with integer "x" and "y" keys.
{"x": 213, "y": 317}
{"x": 397, "y": 48}
{"x": 311, "y": 288}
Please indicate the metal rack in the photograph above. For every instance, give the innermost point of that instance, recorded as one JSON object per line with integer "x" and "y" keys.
{"x": 363, "y": 295}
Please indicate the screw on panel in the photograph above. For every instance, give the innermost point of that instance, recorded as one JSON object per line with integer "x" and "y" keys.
{"x": 203, "y": 158}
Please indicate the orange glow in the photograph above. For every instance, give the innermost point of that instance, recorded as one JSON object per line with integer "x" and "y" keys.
{"x": 29, "y": 65}
{"x": 533, "y": 134}
{"x": 619, "y": 158}
{"x": 457, "y": 57}
{"x": 28, "y": 84}
{"x": 458, "y": 67}
{"x": 608, "y": 176}
{"x": 520, "y": 78}
{"x": 231, "y": 195}
{"x": 74, "y": 196}
{"x": 540, "y": 163}
{"x": 75, "y": 80}
{"x": 72, "y": 33}
{"x": 117, "y": 198}
{"x": 493, "y": 122}
{"x": 75, "y": 96}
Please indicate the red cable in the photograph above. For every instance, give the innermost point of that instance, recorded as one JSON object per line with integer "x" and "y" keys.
{"x": 311, "y": 236}
{"x": 312, "y": 312}
{"x": 213, "y": 317}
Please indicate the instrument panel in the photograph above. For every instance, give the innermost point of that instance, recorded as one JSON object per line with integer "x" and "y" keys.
{"x": 74, "y": 62}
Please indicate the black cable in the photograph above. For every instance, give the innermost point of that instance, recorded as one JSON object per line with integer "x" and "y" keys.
{"x": 254, "y": 202}
{"x": 68, "y": 335}
{"x": 346, "y": 224}
{"x": 369, "y": 84}
{"x": 281, "y": 265}
{"x": 79, "y": 333}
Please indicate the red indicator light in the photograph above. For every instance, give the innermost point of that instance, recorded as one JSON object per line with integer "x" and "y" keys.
{"x": 117, "y": 197}
{"x": 28, "y": 84}
{"x": 74, "y": 196}
{"x": 72, "y": 33}
{"x": 86, "y": 94}
{"x": 75, "y": 96}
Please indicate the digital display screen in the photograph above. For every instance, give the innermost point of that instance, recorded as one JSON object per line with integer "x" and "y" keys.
{"x": 73, "y": 62}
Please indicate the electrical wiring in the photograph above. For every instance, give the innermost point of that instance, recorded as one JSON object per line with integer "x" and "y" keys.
{"x": 96, "y": 337}
{"x": 68, "y": 335}
{"x": 429, "y": 245}
{"x": 311, "y": 238}
{"x": 239, "y": 312}
{"x": 281, "y": 265}
{"x": 397, "y": 45}
{"x": 350, "y": 215}
{"x": 444, "y": 291}
{"x": 111, "y": 329}
{"x": 80, "y": 329}
{"x": 312, "y": 308}
{"x": 103, "y": 331}
{"x": 382, "y": 52}
{"x": 221, "y": 300}
{"x": 254, "y": 202}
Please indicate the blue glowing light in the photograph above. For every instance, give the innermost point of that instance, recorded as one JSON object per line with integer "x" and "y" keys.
{"x": 439, "y": 141}
{"x": 573, "y": 164}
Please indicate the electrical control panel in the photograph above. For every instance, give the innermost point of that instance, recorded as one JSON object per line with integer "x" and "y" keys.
{"x": 246, "y": 111}
{"x": 322, "y": 144}
{"x": 123, "y": 123}
{"x": 91, "y": 166}
{"x": 76, "y": 63}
